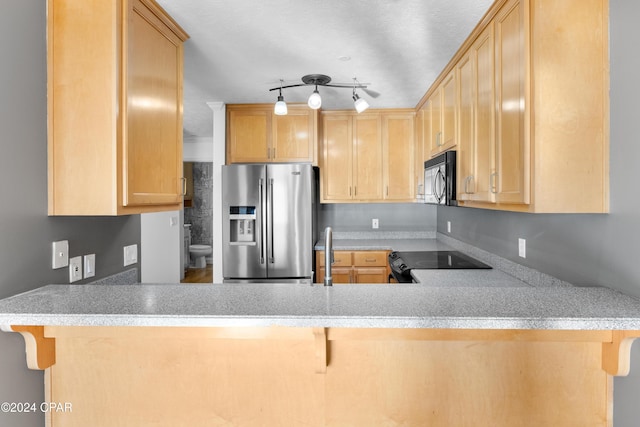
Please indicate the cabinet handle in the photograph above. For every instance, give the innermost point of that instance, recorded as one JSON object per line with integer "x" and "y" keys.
{"x": 466, "y": 184}
{"x": 355, "y": 191}
{"x": 370, "y": 260}
{"x": 184, "y": 186}
{"x": 387, "y": 190}
{"x": 492, "y": 182}
{"x": 274, "y": 153}
{"x": 439, "y": 140}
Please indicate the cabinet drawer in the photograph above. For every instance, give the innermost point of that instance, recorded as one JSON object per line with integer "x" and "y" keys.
{"x": 370, "y": 258}
{"x": 340, "y": 258}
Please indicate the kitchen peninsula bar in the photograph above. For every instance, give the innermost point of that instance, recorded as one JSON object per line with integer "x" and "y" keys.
{"x": 351, "y": 355}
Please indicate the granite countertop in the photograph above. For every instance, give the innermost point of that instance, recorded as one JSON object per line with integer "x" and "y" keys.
{"x": 357, "y": 306}
{"x": 509, "y": 296}
{"x": 467, "y": 278}
{"x": 383, "y": 241}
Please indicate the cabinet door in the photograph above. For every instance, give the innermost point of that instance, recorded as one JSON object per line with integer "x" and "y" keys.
{"x": 367, "y": 157}
{"x": 370, "y": 275}
{"x": 511, "y": 178}
{"x": 293, "y": 137}
{"x": 339, "y": 275}
{"x": 248, "y": 136}
{"x": 337, "y": 158}
{"x": 153, "y": 143}
{"x": 419, "y": 152}
{"x": 398, "y": 146}
{"x": 448, "y": 113}
{"x": 465, "y": 162}
{"x": 435, "y": 104}
{"x": 484, "y": 138}
{"x": 476, "y": 120}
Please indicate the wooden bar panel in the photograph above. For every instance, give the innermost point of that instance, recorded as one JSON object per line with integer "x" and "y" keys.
{"x": 269, "y": 377}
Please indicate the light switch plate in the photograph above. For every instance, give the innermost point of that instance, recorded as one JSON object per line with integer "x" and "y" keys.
{"x": 522, "y": 248}
{"x": 130, "y": 255}
{"x": 89, "y": 265}
{"x": 60, "y": 254}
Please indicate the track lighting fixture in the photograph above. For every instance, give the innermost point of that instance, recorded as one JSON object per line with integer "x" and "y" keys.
{"x": 315, "y": 100}
{"x": 280, "y": 109}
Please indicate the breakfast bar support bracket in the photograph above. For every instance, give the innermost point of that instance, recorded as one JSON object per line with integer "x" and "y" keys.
{"x": 41, "y": 351}
{"x": 320, "y": 337}
{"x": 616, "y": 355}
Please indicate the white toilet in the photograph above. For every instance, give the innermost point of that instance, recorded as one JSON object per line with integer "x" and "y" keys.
{"x": 199, "y": 255}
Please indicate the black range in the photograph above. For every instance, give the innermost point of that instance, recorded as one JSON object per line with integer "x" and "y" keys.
{"x": 401, "y": 263}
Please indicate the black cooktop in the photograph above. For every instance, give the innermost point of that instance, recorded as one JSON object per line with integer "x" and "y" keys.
{"x": 401, "y": 263}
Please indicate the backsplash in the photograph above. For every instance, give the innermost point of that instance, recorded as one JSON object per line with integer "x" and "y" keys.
{"x": 200, "y": 216}
{"x": 356, "y": 217}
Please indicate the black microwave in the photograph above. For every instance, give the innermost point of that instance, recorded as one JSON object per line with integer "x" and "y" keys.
{"x": 440, "y": 179}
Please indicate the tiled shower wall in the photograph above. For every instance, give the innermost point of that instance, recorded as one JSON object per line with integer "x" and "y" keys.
{"x": 200, "y": 216}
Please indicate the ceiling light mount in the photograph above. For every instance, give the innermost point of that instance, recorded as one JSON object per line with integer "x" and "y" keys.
{"x": 315, "y": 101}
{"x": 316, "y": 79}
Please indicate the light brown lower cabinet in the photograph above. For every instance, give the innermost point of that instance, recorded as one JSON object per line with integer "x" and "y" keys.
{"x": 326, "y": 377}
{"x": 355, "y": 267}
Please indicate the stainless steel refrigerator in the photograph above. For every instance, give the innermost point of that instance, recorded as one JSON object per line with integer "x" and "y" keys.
{"x": 268, "y": 218}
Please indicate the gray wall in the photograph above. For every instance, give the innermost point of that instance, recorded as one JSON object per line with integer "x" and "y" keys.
{"x": 586, "y": 249}
{"x": 392, "y": 217}
{"x": 26, "y": 232}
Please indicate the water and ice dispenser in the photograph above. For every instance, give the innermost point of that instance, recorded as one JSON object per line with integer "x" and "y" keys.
{"x": 242, "y": 225}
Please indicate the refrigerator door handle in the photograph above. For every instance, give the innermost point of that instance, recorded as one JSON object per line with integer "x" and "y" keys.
{"x": 260, "y": 235}
{"x": 270, "y": 207}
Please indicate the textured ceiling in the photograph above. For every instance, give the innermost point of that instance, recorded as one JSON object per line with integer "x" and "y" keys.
{"x": 239, "y": 49}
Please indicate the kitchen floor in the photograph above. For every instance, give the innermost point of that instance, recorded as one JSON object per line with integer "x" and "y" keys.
{"x": 199, "y": 275}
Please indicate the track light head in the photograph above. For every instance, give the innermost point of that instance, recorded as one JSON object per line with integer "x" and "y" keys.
{"x": 315, "y": 101}
{"x": 280, "y": 109}
{"x": 359, "y": 103}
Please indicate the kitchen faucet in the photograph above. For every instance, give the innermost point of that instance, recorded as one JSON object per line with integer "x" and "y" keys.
{"x": 328, "y": 256}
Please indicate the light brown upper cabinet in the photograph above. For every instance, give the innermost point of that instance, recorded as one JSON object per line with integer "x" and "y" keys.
{"x": 443, "y": 116}
{"x": 398, "y": 137}
{"x": 367, "y": 157}
{"x": 476, "y": 114}
{"x": 351, "y": 166}
{"x": 256, "y": 135}
{"x": 422, "y": 148}
{"x": 115, "y": 108}
{"x": 533, "y": 108}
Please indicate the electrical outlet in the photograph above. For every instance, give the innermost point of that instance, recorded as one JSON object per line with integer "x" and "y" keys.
{"x": 75, "y": 269}
{"x": 522, "y": 248}
{"x": 375, "y": 223}
{"x": 448, "y": 226}
{"x": 60, "y": 254}
{"x": 89, "y": 265}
